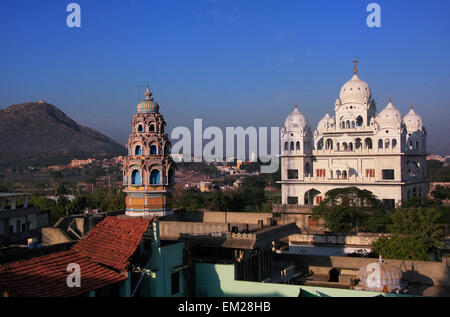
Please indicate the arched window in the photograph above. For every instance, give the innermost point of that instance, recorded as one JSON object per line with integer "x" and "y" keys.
{"x": 414, "y": 192}
{"x": 331, "y": 173}
{"x": 380, "y": 144}
{"x": 368, "y": 143}
{"x": 350, "y": 146}
{"x": 338, "y": 147}
{"x": 338, "y": 174}
{"x": 344, "y": 146}
{"x": 387, "y": 144}
{"x": 18, "y": 226}
{"x": 353, "y": 124}
{"x": 410, "y": 145}
{"x": 152, "y": 128}
{"x": 140, "y": 128}
{"x": 394, "y": 143}
{"x": 359, "y": 121}
{"x": 348, "y": 123}
{"x": 138, "y": 150}
{"x": 155, "y": 177}
{"x": 307, "y": 170}
{"x": 344, "y": 174}
{"x": 136, "y": 178}
{"x": 292, "y": 146}
{"x": 297, "y": 146}
{"x": 171, "y": 176}
{"x": 329, "y": 144}
{"x": 358, "y": 143}
{"x": 153, "y": 150}
{"x": 286, "y": 146}
{"x": 320, "y": 144}
{"x": 417, "y": 146}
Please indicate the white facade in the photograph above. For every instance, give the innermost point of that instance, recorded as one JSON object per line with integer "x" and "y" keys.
{"x": 381, "y": 152}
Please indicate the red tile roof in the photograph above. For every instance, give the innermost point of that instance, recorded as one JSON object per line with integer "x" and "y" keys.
{"x": 110, "y": 243}
{"x": 113, "y": 240}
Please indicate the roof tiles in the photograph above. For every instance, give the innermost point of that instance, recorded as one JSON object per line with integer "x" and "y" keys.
{"x": 110, "y": 243}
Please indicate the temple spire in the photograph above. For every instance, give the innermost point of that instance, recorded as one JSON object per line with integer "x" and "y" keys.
{"x": 355, "y": 69}
{"x": 148, "y": 93}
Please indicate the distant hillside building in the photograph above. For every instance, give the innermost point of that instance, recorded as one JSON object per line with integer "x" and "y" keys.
{"x": 384, "y": 153}
{"x": 148, "y": 170}
{"x": 80, "y": 163}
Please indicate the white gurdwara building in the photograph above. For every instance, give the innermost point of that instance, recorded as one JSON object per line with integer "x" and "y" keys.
{"x": 384, "y": 153}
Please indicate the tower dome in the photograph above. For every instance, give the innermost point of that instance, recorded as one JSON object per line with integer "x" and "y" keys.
{"x": 148, "y": 105}
{"x": 296, "y": 121}
{"x": 413, "y": 121}
{"x": 355, "y": 90}
{"x": 389, "y": 116}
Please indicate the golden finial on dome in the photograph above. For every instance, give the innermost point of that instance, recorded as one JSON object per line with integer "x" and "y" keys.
{"x": 412, "y": 106}
{"x": 390, "y": 99}
{"x": 355, "y": 70}
{"x": 327, "y": 109}
{"x": 296, "y": 105}
{"x": 148, "y": 93}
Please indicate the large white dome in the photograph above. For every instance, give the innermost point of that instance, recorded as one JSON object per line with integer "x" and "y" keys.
{"x": 355, "y": 91}
{"x": 389, "y": 116}
{"x": 413, "y": 121}
{"x": 296, "y": 121}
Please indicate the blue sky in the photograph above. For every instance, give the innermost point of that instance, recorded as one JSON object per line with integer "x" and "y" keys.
{"x": 229, "y": 62}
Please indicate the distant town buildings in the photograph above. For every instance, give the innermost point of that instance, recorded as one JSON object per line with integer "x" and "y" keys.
{"x": 80, "y": 163}
{"x": 20, "y": 223}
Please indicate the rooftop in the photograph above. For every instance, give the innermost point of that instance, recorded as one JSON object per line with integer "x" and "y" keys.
{"x": 102, "y": 255}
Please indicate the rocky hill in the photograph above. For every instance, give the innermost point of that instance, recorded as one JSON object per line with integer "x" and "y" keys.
{"x": 40, "y": 131}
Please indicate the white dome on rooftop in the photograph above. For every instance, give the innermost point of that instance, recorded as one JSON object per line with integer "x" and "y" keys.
{"x": 296, "y": 121}
{"x": 355, "y": 90}
{"x": 413, "y": 121}
{"x": 389, "y": 116}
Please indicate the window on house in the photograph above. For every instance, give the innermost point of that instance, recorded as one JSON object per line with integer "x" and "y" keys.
{"x": 175, "y": 283}
{"x": 370, "y": 173}
{"x": 292, "y": 174}
{"x": 292, "y": 200}
{"x": 389, "y": 203}
{"x": 388, "y": 174}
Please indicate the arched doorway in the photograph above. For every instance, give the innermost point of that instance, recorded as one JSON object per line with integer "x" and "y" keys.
{"x": 310, "y": 195}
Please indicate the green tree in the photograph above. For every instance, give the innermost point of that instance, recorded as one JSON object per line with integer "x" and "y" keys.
{"x": 416, "y": 232}
{"x": 349, "y": 209}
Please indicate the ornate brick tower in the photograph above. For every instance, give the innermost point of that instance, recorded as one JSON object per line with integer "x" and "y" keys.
{"x": 148, "y": 170}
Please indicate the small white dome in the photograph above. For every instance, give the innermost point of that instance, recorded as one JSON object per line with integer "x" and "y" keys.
{"x": 381, "y": 276}
{"x": 325, "y": 122}
{"x": 413, "y": 121}
{"x": 389, "y": 116}
{"x": 296, "y": 121}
